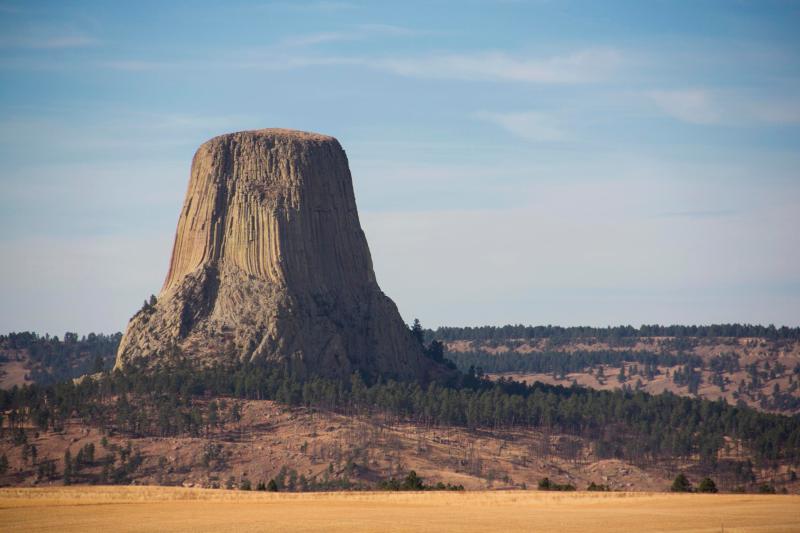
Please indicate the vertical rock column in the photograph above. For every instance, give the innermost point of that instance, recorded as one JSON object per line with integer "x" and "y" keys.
{"x": 270, "y": 263}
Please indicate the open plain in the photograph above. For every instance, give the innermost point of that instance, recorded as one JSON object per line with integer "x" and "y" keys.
{"x": 104, "y": 508}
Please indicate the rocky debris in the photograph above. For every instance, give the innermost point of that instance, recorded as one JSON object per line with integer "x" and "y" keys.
{"x": 270, "y": 264}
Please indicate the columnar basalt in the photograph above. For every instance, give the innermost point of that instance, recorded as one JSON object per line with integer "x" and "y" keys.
{"x": 270, "y": 264}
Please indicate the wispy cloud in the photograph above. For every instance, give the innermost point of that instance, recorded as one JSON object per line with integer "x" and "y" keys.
{"x": 531, "y": 126}
{"x": 312, "y": 39}
{"x": 390, "y": 29}
{"x": 326, "y": 6}
{"x": 585, "y": 65}
{"x": 118, "y": 129}
{"x": 704, "y": 106}
{"x": 6, "y": 8}
{"x": 709, "y": 213}
{"x": 355, "y": 33}
{"x": 46, "y": 41}
{"x": 322, "y": 6}
{"x": 694, "y": 106}
{"x": 775, "y": 112}
{"x": 242, "y": 60}
{"x": 137, "y": 65}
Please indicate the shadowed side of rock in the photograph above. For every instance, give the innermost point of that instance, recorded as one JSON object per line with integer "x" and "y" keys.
{"x": 270, "y": 264}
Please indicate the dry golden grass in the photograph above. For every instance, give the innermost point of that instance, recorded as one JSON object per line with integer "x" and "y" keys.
{"x": 176, "y": 509}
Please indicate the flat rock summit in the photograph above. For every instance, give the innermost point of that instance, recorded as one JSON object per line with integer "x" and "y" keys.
{"x": 270, "y": 264}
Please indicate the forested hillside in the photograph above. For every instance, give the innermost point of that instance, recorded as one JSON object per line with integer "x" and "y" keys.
{"x": 749, "y": 365}
{"x": 556, "y": 427}
{"x": 27, "y": 357}
{"x": 559, "y": 333}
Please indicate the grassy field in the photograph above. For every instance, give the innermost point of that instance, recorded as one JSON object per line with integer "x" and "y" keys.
{"x": 177, "y": 509}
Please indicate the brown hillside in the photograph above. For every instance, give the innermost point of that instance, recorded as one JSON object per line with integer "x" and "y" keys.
{"x": 332, "y": 451}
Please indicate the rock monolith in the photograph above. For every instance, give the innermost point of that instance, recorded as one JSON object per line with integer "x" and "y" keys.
{"x": 270, "y": 264}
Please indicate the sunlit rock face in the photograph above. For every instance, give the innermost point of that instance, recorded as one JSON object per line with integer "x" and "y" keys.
{"x": 270, "y": 263}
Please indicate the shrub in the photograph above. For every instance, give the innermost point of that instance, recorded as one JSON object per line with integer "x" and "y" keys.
{"x": 766, "y": 488}
{"x": 707, "y": 485}
{"x": 546, "y": 484}
{"x": 413, "y": 482}
{"x": 681, "y": 484}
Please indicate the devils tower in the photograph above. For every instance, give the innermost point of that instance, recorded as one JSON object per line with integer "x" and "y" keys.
{"x": 270, "y": 264}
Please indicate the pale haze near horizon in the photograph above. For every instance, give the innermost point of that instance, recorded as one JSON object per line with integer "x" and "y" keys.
{"x": 546, "y": 162}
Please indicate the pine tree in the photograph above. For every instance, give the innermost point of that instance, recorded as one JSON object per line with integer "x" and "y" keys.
{"x": 417, "y": 332}
{"x": 68, "y": 467}
{"x": 707, "y": 485}
{"x": 681, "y": 484}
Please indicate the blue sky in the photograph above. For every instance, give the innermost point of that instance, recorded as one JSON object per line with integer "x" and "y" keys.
{"x": 527, "y": 162}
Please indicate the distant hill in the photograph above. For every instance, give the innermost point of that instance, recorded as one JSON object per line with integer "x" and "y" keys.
{"x": 559, "y": 333}
{"x": 757, "y": 366}
{"x": 27, "y": 357}
{"x": 594, "y": 411}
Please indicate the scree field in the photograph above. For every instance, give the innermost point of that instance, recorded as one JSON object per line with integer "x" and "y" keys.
{"x": 176, "y": 509}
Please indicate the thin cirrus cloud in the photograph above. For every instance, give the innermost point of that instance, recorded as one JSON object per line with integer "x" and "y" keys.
{"x": 709, "y": 213}
{"x": 532, "y": 126}
{"x": 694, "y": 106}
{"x": 587, "y": 65}
{"x": 360, "y": 32}
{"x": 707, "y": 107}
{"x": 318, "y": 7}
{"x": 319, "y": 38}
{"x": 47, "y": 40}
{"x": 323, "y": 6}
{"x": 584, "y": 66}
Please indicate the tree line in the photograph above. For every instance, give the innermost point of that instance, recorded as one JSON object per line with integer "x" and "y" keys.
{"x": 624, "y": 424}
{"x": 561, "y": 363}
{"x": 519, "y": 331}
{"x": 51, "y": 359}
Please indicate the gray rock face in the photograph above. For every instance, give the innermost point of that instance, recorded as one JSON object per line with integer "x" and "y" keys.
{"x": 270, "y": 264}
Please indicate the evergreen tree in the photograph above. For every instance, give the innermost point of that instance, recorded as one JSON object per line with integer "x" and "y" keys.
{"x": 68, "y": 467}
{"x": 412, "y": 482}
{"x": 98, "y": 365}
{"x": 707, "y": 485}
{"x": 681, "y": 484}
{"x": 766, "y": 488}
{"x": 418, "y": 332}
